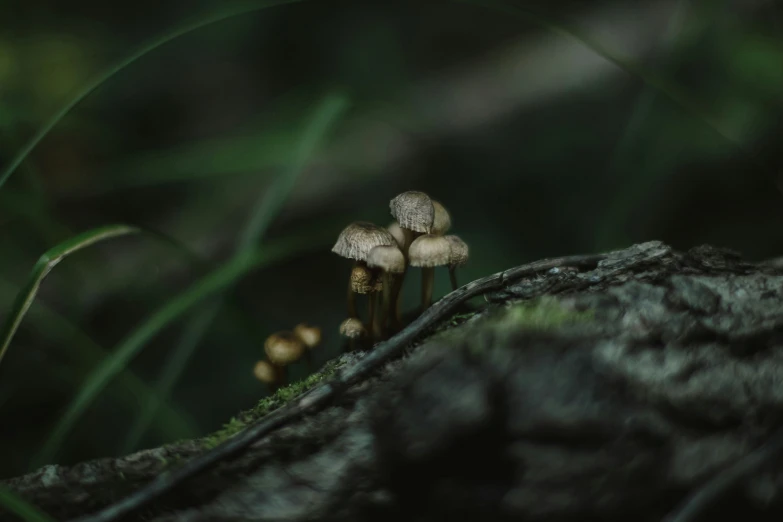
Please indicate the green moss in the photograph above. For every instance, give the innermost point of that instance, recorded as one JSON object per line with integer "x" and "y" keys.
{"x": 544, "y": 313}
{"x": 270, "y": 403}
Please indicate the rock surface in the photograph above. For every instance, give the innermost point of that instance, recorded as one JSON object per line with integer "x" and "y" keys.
{"x": 607, "y": 394}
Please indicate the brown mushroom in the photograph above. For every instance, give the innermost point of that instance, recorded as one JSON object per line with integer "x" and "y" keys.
{"x": 265, "y": 372}
{"x": 441, "y": 223}
{"x": 310, "y": 337}
{"x": 282, "y": 349}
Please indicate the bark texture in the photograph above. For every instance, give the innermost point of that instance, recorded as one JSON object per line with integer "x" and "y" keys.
{"x": 605, "y": 394}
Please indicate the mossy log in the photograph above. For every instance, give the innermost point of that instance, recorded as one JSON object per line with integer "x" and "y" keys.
{"x": 610, "y": 393}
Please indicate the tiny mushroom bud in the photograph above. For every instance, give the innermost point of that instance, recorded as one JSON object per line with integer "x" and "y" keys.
{"x": 390, "y": 260}
{"x": 310, "y": 336}
{"x": 355, "y": 242}
{"x": 442, "y": 221}
{"x": 352, "y": 329}
{"x": 282, "y": 349}
{"x": 427, "y": 252}
{"x": 458, "y": 257}
{"x": 265, "y": 372}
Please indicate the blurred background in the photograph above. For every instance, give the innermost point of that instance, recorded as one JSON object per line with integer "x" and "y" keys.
{"x": 247, "y": 137}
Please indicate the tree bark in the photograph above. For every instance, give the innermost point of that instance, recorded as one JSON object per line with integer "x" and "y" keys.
{"x": 608, "y": 393}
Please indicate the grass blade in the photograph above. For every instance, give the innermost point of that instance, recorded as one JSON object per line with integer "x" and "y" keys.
{"x": 205, "y": 287}
{"x": 21, "y": 508}
{"x": 119, "y": 66}
{"x": 44, "y": 265}
{"x": 265, "y": 210}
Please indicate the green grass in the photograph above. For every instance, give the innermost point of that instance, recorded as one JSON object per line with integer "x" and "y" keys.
{"x": 42, "y": 268}
{"x": 269, "y": 205}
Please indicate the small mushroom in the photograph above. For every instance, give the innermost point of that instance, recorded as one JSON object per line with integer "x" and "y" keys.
{"x": 415, "y": 214}
{"x": 355, "y": 242}
{"x": 442, "y": 220}
{"x": 282, "y": 349}
{"x": 390, "y": 261}
{"x": 427, "y": 252}
{"x": 352, "y": 329}
{"x": 365, "y": 281}
{"x": 310, "y": 337}
{"x": 458, "y": 257}
{"x": 266, "y": 373}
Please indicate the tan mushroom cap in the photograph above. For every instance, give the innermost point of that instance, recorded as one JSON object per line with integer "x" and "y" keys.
{"x": 265, "y": 372}
{"x": 364, "y": 280}
{"x": 387, "y": 258}
{"x": 309, "y": 335}
{"x": 413, "y": 210}
{"x": 396, "y": 230}
{"x": 357, "y": 239}
{"x": 352, "y": 328}
{"x": 283, "y": 348}
{"x": 459, "y": 251}
{"x": 442, "y": 221}
{"x": 429, "y": 250}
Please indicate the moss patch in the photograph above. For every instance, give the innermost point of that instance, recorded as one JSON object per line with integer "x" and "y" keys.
{"x": 542, "y": 314}
{"x": 272, "y": 402}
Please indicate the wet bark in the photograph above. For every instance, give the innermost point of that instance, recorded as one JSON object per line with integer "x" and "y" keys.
{"x": 625, "y": 389}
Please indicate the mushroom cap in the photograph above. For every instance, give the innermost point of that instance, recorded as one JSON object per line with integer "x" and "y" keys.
{"x": 364, "y": 280}
{"x": 459, "y": 251}
{"x": 265, "y": 372}
{"x": 413, "y": 210}
{"x": 387, "y": 258}
{"x": 309, "y": 335}
{"x": 442, "y": 221}
{"x": 283, "y": 348}
{"x": 429, "y": 250}
{"x": 352, "y": 328}
{"x": 396, "y": 230}
{"x": 357, "y": 239}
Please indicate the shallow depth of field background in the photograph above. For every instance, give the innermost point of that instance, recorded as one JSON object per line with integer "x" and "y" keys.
{"x": 537, "y": 144}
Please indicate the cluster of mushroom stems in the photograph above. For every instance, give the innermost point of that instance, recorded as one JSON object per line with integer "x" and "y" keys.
{"x": 283, "y": 349}
{"x": 382, "y": 256}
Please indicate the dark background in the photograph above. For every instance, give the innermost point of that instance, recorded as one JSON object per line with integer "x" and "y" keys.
{"x": 537, "y": 144}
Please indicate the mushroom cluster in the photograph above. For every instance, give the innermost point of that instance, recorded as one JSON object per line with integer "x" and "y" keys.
{"x": 381, "y": 257}
{"x": 285, "y": 348}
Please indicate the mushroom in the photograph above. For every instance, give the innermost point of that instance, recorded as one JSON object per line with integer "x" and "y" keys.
{"x": 396, "y": 231}
{"x": 442, "y": 220}
{"x": 415, "y": 214}
{"x": 390, "y": 261}
{"x": 355, "y": 242}
{"x": 266, "y": 373}
{"x": 310, "y": 337}
{"x": 352, "y": 329}
{"x": 427, "y": 252}
{"x": 282, "y": 349}
{"x": 458, "y": 257}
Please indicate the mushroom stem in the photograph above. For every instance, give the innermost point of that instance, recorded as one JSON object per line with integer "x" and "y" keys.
{"x": 380, "y": 314}
{"x": 427, "y": 282}
{"x": 281, "y": 379}
{"x": 409, "y": 235}
{"x": 389, "y": 283}
{"x": 453, "y": 277}
{"x": 371, "y": 316}
{"x": 351, "y": 299}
